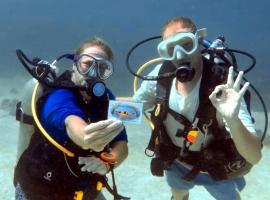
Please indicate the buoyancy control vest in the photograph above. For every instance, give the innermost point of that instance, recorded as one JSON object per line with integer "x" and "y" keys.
{"x": 45, "y": 172}
{"x": 220, "y": 157}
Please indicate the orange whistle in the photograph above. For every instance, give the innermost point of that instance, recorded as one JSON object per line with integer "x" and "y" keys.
{"x": 108, "y": 157}
{"x": 192, "y": 135}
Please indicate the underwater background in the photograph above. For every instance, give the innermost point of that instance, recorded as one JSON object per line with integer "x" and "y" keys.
{"x": 48, "y": 29}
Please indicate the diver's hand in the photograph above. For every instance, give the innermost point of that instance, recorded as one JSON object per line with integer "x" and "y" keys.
{"x": 94, "y": 165}
{"x": 99, "y": 134}
{"x": 227, "y": 98}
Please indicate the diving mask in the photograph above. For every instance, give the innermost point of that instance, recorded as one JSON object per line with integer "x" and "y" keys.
{"x": 93, "y": 66}
{"x": 181, "y": 45}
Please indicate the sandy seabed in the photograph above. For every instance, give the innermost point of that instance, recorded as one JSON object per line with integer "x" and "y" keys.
{"x": 133, "y": 177}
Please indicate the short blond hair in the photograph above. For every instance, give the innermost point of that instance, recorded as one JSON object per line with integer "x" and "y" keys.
{"x": 185, "y": 21}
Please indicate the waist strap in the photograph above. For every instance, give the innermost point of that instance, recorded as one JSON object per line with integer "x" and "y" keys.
{"x": 21, "y": 116}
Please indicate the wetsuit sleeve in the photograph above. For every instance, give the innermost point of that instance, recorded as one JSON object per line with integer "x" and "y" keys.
{"x": 123, "y": 135}
{"x": 147, "y": 91}
{"x": 56, "y": 108}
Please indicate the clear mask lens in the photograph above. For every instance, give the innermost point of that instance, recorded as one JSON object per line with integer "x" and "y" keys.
{"x": 92, "y": 66}
{"x": 186, "y": 42}
{"x": 105, "y": 68}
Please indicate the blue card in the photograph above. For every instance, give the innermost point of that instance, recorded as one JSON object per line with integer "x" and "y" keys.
{"x": 125, "y": 111}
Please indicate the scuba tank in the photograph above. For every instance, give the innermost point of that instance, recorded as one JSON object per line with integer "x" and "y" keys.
{"x": 24, "y": 116}
{"x": 23, "y": 108}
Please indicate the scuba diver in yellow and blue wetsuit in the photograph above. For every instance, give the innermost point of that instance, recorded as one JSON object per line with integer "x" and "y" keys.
{"x": 73, "y": 145}
{"x": 202, "y": 131}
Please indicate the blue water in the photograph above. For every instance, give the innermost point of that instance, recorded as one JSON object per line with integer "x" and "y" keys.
{"x": 50, "y": 28}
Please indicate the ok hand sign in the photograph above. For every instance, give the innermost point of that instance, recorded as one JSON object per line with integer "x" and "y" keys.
{"x": 227, "y": 98}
